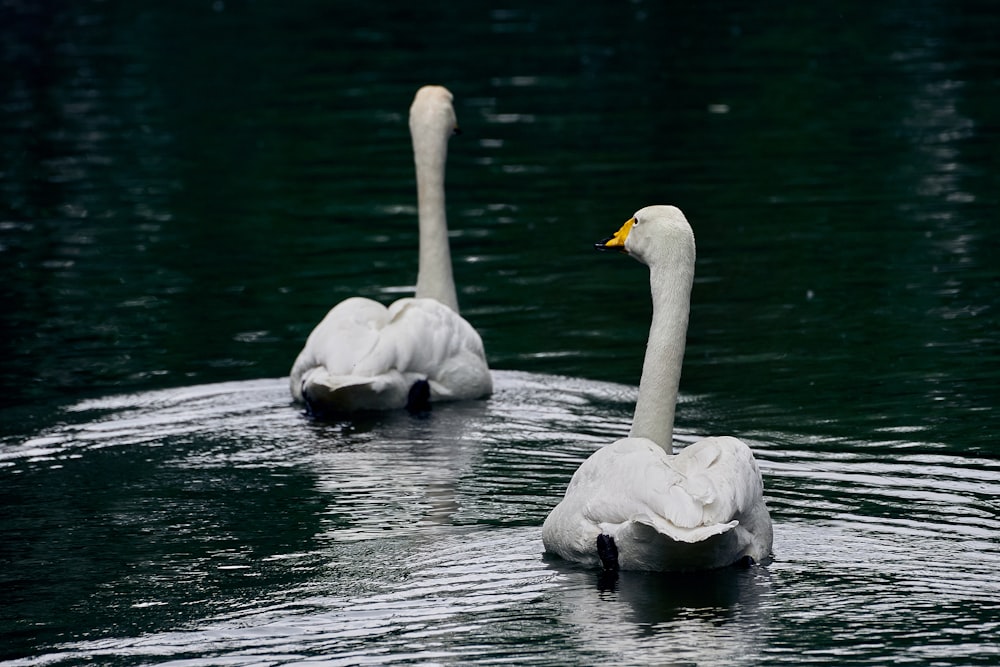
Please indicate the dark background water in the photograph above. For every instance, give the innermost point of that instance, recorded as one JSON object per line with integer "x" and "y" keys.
{"x": 187, "y": 187}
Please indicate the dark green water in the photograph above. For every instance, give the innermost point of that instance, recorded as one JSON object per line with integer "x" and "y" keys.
{"x": 186, "y": 188}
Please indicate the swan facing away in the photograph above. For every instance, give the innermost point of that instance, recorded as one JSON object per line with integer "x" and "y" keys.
{"x": 633, "y": 504}
{"x": 366, "y": 356}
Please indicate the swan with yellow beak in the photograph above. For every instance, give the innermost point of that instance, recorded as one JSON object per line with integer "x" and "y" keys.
{"x": 634, "y": 504}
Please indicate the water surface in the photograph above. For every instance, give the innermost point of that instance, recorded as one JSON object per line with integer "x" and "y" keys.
{"x": 216, "y": 524}
{"x": 186, "y": 188}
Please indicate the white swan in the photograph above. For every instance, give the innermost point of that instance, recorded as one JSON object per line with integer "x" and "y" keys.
{"x": 633, "y": 504}
{"x": 364, "y": 356}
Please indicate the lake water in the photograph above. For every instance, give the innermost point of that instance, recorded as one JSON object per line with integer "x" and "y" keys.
{"x": 186, "y": 188}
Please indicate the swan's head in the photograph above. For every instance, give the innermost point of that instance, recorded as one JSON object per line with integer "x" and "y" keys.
{"x": 432, "y": 117}
{"x": 654, "y": 235}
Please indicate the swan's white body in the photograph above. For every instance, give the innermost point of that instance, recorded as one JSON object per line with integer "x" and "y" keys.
{"x": 366, "y": 356}
{"x": 700, "y": 509}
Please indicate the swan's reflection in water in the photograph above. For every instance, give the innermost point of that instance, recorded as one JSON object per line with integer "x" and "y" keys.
{"x": 667, "y": 618}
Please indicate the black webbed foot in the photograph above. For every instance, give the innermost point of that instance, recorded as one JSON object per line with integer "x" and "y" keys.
{"x": 310, "y": 409}
{"x": 607, "y": 551}
{"x": 418, "y": 400}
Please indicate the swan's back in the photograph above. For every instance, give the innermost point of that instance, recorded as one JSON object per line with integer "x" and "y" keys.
{"x": 364, "y": 356}
{"x": 700, "y": 509}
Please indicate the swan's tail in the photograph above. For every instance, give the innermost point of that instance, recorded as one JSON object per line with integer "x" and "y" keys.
{"x": 327, "y": 395}
{"x": 656, "y": 544}
{"x": 681, "y": 534}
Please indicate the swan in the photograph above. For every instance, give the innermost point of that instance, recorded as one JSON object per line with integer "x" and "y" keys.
{"x": 634, "y": 505}
{"x": 366, "y": 356}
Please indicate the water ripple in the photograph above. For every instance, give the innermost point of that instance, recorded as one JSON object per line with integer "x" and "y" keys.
{"x": 230, "y": 529}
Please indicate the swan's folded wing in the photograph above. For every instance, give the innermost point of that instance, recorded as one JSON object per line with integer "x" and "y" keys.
{"x": 722, "y": 474}
{"x": 682, "y": 506}
{"x": 428, "y": 333}
{"x": 631, "y": 478}
{"x": 634, "y": 481}
{"x": 349, "y": 332}
{"x": 367, "y": 341}
{"x": 431, "y": 339}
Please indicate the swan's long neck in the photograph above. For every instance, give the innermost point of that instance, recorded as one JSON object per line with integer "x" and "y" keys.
{"x": 661, "y": 369}
{"x": 434, "y": 276}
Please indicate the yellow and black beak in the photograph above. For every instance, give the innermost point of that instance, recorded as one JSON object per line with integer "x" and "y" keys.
{"x": 617, "y": 242}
